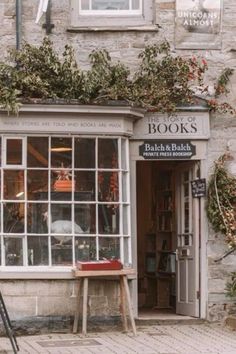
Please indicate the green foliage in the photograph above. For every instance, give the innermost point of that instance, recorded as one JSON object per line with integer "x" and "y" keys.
{"x": 221, "y": 202}
{"x": 161, "y": 83}
{"x": 231, "y": 286}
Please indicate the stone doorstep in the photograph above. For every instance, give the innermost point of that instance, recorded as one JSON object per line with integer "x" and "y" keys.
{"x": 231, "y": 322}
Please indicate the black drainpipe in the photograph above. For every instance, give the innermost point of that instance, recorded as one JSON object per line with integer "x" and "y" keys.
{"x": 18, "y": 24}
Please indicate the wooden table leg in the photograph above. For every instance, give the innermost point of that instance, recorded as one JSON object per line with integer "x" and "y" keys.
{"x": 129, "y": 304}
{"x": 76, "y": 318}
{"x": 85, "y": 306}
{"x": 122, "y": 304}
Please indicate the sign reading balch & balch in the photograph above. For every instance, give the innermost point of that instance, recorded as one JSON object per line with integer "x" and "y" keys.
{"x": 167, "y": 149}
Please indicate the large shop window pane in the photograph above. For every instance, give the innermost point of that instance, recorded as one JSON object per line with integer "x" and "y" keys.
{"x": 61, "y": 184}
{"x": 62, "y": 251}
{"x": 61, "y": 222}
{"x": 37, "y": 250}
{"x": 14, "y": 150}
{"x": 14, "y": 184}
{"x": 37, "y": 218}
{"x": 108, "y": 219}
{"x": 109, "y": 248}
{"x": 37, "y": 185}
{"x": 84, "y": 154}
{"x": 84, "y": 185}
{"x": 37, "y": 152}
{"x": 13, "y": 216}
{"x": 85, "y": 221}
{"x": 85, "y": 249}
{"x": 108, "y": 186}
{"x": 107, "y": 153}
{"x": 61, "y": 152}
{"x": 13, "y": 251}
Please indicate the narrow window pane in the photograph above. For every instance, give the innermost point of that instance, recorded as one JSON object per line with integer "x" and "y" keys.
{"x": 125, "y": 220}
{"x": 109, "y": 248}
{"x": 13, "y": 251}
{"x": 85, "y": 4}
{"x": 37, "y": 152}
{"x": 85, "y": 221}
{"x": 13, "y": 216}
{"x": 85, "y": 249}
{"x": 14, "y": 151}
{"x": 110, "y": 5}
{"x": 124, "y": 187}
{"x": 37, "y": 250}
{"x": 37, "y": 185}
{"x": 61, "y": 152}
{"x": 84, "y": 153}
{"x": 61, "y": 219}
{"x": 61, "y": 250}
{"x": 135, "y": 4}
{"x": 108, "y": 216}
{"x": 123, "y": 154}
{"x": 84, "y": 185}
{"x": 126, "y": 252}
{"x": 37, "y": 218}
{"x": 14, "y": 184}
{"x": 107, "y": 153}
{"x": 108, "y": 186}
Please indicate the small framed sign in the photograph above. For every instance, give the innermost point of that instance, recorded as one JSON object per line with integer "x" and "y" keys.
{"x": 198, "y": 187}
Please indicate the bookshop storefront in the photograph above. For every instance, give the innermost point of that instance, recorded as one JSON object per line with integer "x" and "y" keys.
{"x": 168, "y": 162}
{"x": 88, "y": 183}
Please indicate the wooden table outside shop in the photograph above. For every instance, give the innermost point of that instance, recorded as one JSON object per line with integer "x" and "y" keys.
{"x": 125, "y": 301}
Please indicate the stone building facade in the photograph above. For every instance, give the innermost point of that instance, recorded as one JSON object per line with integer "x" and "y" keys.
{"x": 48, "y": 290}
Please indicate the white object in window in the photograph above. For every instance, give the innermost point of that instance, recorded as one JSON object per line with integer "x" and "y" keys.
{"x": 111, "y": 13}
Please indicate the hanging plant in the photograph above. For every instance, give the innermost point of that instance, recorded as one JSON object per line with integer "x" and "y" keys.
{"x": 221, "y": 206}
{"x": 162, "y": 81}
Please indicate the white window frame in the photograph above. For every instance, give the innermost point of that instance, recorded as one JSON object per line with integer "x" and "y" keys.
{"x": 114, "y": 18}
{"x": 122, "y": 168}
{"x": 119, "y": 13}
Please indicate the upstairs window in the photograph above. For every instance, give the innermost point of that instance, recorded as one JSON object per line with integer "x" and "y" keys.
{"x": 115, "y": 7}
{"x": 111, "y": 13}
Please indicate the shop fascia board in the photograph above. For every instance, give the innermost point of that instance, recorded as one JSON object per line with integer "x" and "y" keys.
{"x": 109, "y": 110}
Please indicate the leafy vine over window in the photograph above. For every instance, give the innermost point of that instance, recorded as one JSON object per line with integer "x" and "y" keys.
{"x": 162, "y": 81}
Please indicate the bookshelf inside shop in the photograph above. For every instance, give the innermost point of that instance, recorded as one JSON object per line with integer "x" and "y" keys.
{"x": 160, "y": 255}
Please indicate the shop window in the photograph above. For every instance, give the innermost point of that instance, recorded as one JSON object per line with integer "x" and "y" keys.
{"x": 102, "y": 13}
{"x": 64, "y": 199}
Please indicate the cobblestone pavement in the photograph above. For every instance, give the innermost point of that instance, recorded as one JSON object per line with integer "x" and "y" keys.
{"x": 162, "y": 339}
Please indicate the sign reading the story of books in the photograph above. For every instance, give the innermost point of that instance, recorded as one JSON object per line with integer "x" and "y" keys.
{"x": 164, "y": 150}
{"x": 198, "y": 24}
{"x": 198, "y": 187}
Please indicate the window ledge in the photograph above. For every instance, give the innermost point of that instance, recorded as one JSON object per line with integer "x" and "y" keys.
{"x": 115, "y": 29}
{"x": 47, "y": 273}
{"x": 32, "y": 273}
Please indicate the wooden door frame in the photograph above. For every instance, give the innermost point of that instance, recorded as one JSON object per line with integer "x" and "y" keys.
{"x": 134, "y": 157}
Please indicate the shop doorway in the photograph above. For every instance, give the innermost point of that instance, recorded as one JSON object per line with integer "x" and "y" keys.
{"x": 168, "y": 224}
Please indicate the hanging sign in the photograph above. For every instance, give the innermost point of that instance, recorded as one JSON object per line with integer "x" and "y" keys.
{"x": 198, "y": 24}
{"x": 198, "y": 187}
{"x": 167, "y": 149}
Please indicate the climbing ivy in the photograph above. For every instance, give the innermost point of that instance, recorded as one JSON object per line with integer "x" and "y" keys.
{"x": 221, "y": 205}
{"x": 162, "y": 81}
